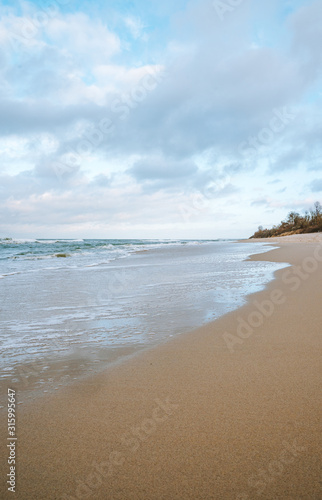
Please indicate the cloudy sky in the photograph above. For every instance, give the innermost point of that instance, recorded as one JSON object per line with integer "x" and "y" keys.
{"x": 148, "y": 119}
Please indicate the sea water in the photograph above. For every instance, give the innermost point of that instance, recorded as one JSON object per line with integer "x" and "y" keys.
{"x": 83, "y": 304}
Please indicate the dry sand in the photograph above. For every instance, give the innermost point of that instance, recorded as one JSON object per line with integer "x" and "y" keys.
{"x": 191, "y": 419}
{"x": 292, "y": 238}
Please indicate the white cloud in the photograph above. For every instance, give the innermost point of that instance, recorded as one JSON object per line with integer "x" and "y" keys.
{"x": 136, "y": 27}
{"x": 81, "y": 39}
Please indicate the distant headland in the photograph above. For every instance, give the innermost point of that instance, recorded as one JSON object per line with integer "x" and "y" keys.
{"x": 310, "y": 222}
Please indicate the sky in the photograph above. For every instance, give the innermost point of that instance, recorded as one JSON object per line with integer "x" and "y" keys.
{"x": 147, "y": 119}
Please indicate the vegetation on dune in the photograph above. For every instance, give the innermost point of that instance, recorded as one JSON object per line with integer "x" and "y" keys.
{"x": 310, "y": 222}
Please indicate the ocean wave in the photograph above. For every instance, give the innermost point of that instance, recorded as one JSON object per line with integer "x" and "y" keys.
{"x": 16, "y": 241}
{"x": 53, "y": 242}
{"x": 40, "y": 257}
{"x": 100, "y": 249}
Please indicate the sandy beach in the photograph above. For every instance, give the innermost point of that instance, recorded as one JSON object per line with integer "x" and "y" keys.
{"x": 228, "y": 411}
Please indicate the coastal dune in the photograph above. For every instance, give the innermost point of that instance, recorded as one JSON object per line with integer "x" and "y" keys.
{"x": 228, "y": 411}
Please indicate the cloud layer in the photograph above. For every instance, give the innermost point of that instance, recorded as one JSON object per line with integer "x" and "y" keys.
{"x": 171, "y": 124}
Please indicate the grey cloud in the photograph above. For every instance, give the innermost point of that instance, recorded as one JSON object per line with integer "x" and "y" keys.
{"x": 316, "y": 165}
{"x": 316, "y": 185}
{"x": 262, "y": 201}
{"x": 183, "y": 176}
{"x": 226, "y": 191}
{"x": 41, "y": 116}
{"x": 30, "y": 182}
{"x": 307, "y": 40}
{"x": 288, "y": 160}
{"x": 151, "y": 169}
{"x": 233, "y": 168}
{"x": 101, "y": 181}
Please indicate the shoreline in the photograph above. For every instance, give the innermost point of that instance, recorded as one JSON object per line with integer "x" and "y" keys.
{"x": 215, "y": 413}
{"x": 64, "y": 362}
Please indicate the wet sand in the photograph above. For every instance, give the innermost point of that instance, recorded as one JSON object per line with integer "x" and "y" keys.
{"x": 228, "y": 411}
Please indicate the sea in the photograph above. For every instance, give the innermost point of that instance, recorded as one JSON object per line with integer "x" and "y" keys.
{"x": 69, "y": 308}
